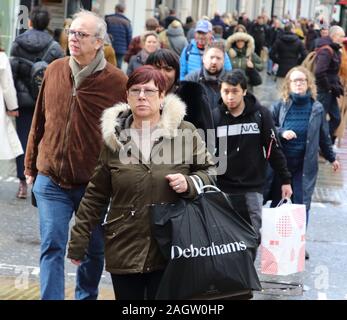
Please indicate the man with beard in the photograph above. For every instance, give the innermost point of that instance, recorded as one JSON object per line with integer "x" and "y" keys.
{"x": 211, "y": 72}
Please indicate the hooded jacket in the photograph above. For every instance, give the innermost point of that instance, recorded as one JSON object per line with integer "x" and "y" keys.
{"x": 134, "y": 186}
{"x": 328, "y": 66}
{"x": 239, "y": 57}
{"x": 288, "y": 51}
{"x": 248, "y": 141}
{"x": 177, "y": 40}
{"x": 30, "y": 45}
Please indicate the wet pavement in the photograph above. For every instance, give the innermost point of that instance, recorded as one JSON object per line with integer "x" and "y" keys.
{"x": 323, "y": 278}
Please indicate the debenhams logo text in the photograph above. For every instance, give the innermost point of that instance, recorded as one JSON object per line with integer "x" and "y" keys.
{"x": 213, "y": 250}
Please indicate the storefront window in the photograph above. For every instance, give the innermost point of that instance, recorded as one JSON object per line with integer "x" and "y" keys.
{"x": 8, "y": 23}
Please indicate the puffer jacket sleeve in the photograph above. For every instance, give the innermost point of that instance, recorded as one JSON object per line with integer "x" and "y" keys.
{"x": 202, "y": 165}
{"x": 258, "y": 63}
{"x": 91, "y": 208}
{"x": 275, "y": 111}
{"x": 183, "y": 64}
{"x": 227, "y": 62}
{"x": 277, "y": 158}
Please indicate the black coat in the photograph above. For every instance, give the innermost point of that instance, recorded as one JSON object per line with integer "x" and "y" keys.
{"x": 30, "y": 45}
{"x": 258, "y": 32}
{"x": 327, "y": 67}
{"x": 288, "y": 51}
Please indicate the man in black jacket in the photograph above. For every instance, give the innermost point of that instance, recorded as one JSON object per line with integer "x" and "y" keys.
{"x": 250, "y": 138}
{"x": 329, "y": 88}
{"x": 31, "y": 45}
{"x": 288, "y": 51}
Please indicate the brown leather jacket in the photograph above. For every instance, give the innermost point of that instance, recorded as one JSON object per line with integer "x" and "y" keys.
{"x": 65, "y": 137}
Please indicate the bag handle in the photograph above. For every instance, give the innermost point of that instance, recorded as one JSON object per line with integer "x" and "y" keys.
{"x": 210, "y": 186}
{"x": 198, "y": 189}
{"x": 198, "y": 184}
{"x": 284, "y": 201}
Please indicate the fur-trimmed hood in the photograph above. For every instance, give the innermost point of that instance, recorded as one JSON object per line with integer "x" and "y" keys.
{"x": 249, "y": 41}
{"x": 112, "y": 120}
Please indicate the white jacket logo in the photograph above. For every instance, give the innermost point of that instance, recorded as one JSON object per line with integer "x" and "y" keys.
{"x": 213, "y": 250}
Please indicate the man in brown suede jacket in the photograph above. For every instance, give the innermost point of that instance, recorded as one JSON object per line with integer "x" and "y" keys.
{"x": 63, "y": 148}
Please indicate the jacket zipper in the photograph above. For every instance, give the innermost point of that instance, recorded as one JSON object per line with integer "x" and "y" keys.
{"x": 67, "y": 129}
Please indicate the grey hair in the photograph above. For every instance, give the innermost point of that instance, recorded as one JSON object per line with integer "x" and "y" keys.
{"x": 100, "y": 23}
{"x": 334, "y": 30}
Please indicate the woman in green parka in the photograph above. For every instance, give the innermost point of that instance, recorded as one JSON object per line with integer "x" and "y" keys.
{"x": 240, "y": 48}
{"x": 149, "y": 157}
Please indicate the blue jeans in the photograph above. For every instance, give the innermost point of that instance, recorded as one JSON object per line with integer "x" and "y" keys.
{"x": 56, "y": 206}
{"x": 331, "y": 107}
{"x": 120, "y": 58}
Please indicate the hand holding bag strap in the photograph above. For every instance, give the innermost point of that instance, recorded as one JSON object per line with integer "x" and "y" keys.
{"x": 284, "y": 201}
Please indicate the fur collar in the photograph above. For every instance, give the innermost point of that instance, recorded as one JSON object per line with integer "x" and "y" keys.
{"x": 172, "y": 115}
{"x": 249, "y": 42}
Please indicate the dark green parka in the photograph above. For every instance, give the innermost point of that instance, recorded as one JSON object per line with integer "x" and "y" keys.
{"x": 133, "y": 186}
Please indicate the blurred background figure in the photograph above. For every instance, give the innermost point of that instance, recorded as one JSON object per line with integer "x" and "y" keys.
{"x": 27, "y": 48}
{"x": 152, "y": 24}
{"x": 109, "y": 52}
{"x": 9, "y": 141}
{"x": 120, "y": 31}
{"x": 150, "y": 43}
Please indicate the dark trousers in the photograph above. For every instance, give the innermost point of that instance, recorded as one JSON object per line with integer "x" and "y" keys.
{"x": 138, "y": 286}
{"x": 331, "y": 108}
{"x": 295, "y": 166}
{"x": 23, "y": 124}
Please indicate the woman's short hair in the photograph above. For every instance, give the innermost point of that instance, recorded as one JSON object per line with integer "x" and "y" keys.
{"x": 145, "y": 74}
{"x": 165, "y": 57}
{"x": 234, "y": 78}
{"x": 311, "y": 85}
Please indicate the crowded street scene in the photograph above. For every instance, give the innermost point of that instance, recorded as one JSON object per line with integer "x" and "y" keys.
{"x": 173, "y": 150}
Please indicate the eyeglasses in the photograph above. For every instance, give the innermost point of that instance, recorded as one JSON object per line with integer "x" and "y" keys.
{"x": 78, "y": 34}
{"x": 296, "y": 81}
{"x": 146, "y": 92}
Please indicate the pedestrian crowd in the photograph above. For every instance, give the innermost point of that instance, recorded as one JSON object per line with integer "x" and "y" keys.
{"x": 93, "y": 139}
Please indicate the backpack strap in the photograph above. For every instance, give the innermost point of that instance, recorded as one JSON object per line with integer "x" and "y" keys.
{"x": 45, "y": 55}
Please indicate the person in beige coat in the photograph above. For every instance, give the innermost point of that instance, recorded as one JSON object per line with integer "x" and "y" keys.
{"x": 9, "y": 141}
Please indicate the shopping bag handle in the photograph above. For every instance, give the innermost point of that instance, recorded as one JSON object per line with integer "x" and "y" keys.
{"x": 200, "y": 187}
{"x": 210, "y": 186}
{"x": 283, "y": 201}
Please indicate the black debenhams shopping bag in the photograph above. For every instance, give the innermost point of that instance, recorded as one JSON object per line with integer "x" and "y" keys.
{"x": 209, "y": 247}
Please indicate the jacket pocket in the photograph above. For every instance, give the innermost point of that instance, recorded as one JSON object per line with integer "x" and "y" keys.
{"x": 115, "y": 220}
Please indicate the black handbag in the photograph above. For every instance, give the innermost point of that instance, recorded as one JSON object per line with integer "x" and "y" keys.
{"x": 209, "y": 247}
{"x": 254, "y": 77}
